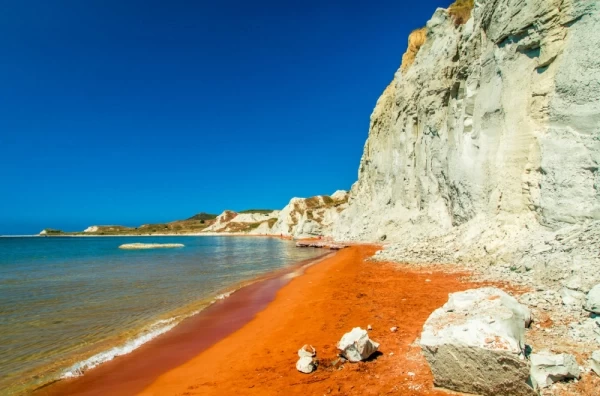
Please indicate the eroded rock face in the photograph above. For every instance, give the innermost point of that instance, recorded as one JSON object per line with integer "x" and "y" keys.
{"x": 356, "y": 345}
{"x": 475, "y": 343}
{"x": 548, "y": 368}
{"x": 495, "y": 120}
{"x": 310, "y": 217}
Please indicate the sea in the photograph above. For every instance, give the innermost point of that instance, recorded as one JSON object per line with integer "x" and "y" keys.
{"x": 68, "y": 304}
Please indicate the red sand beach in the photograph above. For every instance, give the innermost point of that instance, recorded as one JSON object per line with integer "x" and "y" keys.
{"x": 247, "y": 344}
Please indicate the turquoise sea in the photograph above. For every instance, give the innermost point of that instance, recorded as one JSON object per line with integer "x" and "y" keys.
{"x": 68, "y": 304}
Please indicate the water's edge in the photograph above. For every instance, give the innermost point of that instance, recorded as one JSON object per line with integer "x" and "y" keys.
{"x": 271, "y": 282}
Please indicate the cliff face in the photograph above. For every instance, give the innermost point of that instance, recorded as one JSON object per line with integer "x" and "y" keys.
{"x": 301, "y": 218}
{"x": 496, "y": 122}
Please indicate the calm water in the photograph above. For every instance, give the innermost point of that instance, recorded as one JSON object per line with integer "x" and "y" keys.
{"x": 67, "y": 304}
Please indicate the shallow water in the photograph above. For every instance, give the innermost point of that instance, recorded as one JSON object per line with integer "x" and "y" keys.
{"x": 67, "y": 304}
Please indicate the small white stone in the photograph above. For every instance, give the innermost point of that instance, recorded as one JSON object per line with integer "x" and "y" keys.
{"x": 307, "y": 351}
{"x": 369, "y": 327}
{"x": 306, "y": 365}
{"x": 394, "y": 329}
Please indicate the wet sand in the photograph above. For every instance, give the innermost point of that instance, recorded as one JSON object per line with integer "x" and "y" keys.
{"x": 131, "y": 373}
{"x": 317, "y": 308}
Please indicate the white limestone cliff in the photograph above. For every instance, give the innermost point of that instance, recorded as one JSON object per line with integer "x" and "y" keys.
{"x": 494, "y": 128}
{"x": 310, "y": 217}
{"x": 301, "y": 218}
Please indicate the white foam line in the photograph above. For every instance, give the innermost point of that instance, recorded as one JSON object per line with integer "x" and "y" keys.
{"x": 158, "y": 328}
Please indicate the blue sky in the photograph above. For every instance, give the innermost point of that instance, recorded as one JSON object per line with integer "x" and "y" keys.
{"x": 132, "y": 112}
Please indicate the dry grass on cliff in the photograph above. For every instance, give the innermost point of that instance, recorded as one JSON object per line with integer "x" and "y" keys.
{"x": 416, "y": 39}
{"x": 460, "y": 11}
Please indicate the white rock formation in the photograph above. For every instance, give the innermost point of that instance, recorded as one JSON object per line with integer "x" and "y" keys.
{"x": 595, "y": 362}
{"x": 43, "y": 232}
{"x": 475, "y": 343}
{"x": 492, "y": 130}
{"x": 221, "y": 221}
{"x": 306, "y": 365}
{"x": 340, "y": 195}
{"x": 548, "y": 368}
{"x": 91, "y": 229}
{"x": 310, "y": 217}
{"x": 592, "y": 302}
{"x": 301, "y": 218}
{"x": 356, "y": 345}
{"x": 255, "y": 217}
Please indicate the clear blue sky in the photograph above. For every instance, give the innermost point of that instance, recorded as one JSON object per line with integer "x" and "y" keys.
{"x": 132, "y": 112}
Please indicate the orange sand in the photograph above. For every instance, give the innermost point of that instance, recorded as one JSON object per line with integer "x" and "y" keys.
{"x": 317, "y": 308}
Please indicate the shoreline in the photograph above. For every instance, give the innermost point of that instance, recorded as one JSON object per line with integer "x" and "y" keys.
{"x": 256, "y": 354}
{"x": 183, "y": 335}
{"x": 203, "y": 234}
{"x": 317, "y": 308}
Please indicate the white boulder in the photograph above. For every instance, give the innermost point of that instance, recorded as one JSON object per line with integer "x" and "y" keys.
{"x": 548, "y": 368}
{"x": 592, "y": 302}
{"x": 306, "y": 365}
{"x": 475, "y": 343}
{"x": 357, "y": 346}
{"x": 595, "y": 362}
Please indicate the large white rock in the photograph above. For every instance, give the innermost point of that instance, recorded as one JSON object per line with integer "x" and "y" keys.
{"x": 475, "y": 343}
{"x": 356, "y": 345}
{"x": 548, "y": 368}
{"x": 595, "y": 362}
{"x": 592, "y": 302}
{"x": 306, "y": 365}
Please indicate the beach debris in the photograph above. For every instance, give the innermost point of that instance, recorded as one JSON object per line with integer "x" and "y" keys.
{"x": 307, "y": 351}
{"x": 356, "y": 345}
{"x": 592, "y": 302}
{"x": 369, "y": 327}
{"x": 306, "y": 365}
{"x": 475, "y": 343}
{"x": 548, "y": 368}
{"x": 595, "y": 362}
{"x": 394, "y": 329}
{"x": 141, "y": 246}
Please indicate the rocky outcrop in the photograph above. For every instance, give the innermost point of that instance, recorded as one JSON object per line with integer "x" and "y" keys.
{"x": 475, "y": 343}
{"x": 494, "y": 125}
{"x": 310, "y": 217}
{"x": 91, "y": 229}
{"x": 301, "y": 218}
